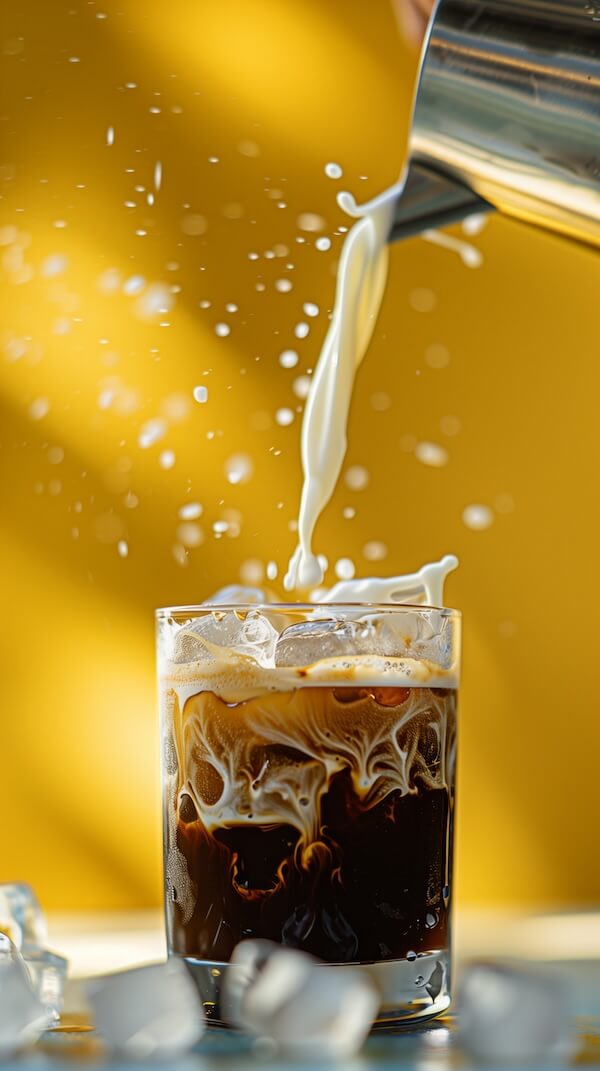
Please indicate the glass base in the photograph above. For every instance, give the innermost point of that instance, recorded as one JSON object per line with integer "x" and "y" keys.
{"x": 412, "y": 991}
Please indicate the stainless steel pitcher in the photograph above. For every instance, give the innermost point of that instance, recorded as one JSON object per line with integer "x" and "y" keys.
{"x": 507, "y": 115}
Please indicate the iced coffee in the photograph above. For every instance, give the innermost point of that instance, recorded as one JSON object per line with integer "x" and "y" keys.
{"x": 308, "y": 789}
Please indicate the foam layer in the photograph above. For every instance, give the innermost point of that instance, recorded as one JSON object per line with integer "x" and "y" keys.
{"x": 417, "y": 650}
{"x": 242, "y": 652}
{"x": 235, "y": 678}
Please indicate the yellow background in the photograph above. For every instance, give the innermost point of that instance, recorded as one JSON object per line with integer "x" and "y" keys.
{"x": 305, "y": 83}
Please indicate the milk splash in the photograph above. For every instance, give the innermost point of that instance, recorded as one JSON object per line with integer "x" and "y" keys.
{"x": 423, "y": 587}
{"x": 361, "y": 282}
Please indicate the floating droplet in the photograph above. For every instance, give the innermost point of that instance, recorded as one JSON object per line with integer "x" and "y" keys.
{"x": 284, "y": 417}
{"x": 283, "y": 285}
{"x": 301, "y": 386}
{"x": 478, "y": 517}
{"x": 190, "y": 534}
{"x": 167, "y": 459}
{"x": 356, "y": 478}
{"x": 333, "y": 171}
{"x": 431, "y": 454}
{"x": 239, "y": 468}
{"x": 252, "y": 571}
{"x": 375, "y": 551}
{"x": 288, "y": 358}
{"x": 310, "y": 221}
{"x": 190, "y": 511}
{"x": 437, "y": 356}
{"x": 344, "y": 569}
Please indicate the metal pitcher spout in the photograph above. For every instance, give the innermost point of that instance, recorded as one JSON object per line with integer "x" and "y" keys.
{"x": 507, "y": 112}
{"x": 430, "y": 200}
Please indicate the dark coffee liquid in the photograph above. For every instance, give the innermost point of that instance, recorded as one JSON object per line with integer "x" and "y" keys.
{"x": 320, "y": 819}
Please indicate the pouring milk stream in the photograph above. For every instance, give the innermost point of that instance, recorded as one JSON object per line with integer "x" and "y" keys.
{"x": 361, "y": 280}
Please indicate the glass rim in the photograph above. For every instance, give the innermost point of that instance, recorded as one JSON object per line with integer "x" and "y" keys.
{"x": 298, "y": 607}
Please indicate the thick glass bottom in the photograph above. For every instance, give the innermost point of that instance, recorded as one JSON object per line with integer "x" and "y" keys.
{"x": 412, "y": 991}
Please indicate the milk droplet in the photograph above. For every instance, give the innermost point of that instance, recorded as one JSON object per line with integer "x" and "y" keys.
{"x": 284, "y": 417}
{"x": 151, "y": 432}
{"x": 422, "y": 299}
{"x": 39, "y": 408}
{"x": 478, "y": 517}
{"x": 109, "y": 280}
{"x": 156, "y": 300}
{"x": 431, "y": 454}
{"x": 167, "y": 459}
{"x": 179, "y": 553}
{"x": 301, "y": 386}
{"x": 157, "y": 175}
{"x": 190, "y": 534}
{"x": 323, "y": 244}
{"x": 222, "y": 330}
{"x": 310, "y": 221}
{"x": 200, "y": 394}
{"x": 344, "y": 569}
{"x": 356, "y": 478}
{"x": 380, "y": 401}
{"x": 310, "y": 309}
{"x": 123, "y": 548}
{"x": 301, "y": 330}
{"x": 239, "y": 468}
{"x": 194, "y": 224}
{"x": 190, "y": 511}
{"x": 271, "y": 570}
{"x": 437, "y": 356}
{"x": 248, "y": 148}
{"x": 110, "y": 135}
{"x": 474, "y": 224}
{"x": 375, "y": 551}
{"x": 252, "y": 571}
{"x": 54, "y": 265}
{"x": 333, "y": 171}
{"x": 134, "y": 284}
{"x": 283, "y": 285}
{"x": 288, "y": 359}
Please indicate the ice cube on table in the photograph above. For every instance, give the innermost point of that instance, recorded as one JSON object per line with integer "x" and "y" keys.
{"x": 250, "y": 634}
{"x": 306, "y": 1008}
{"x": 513, "y": 1013}
{"x": 152, "y": 1011}
{"x": 21, "y": 916}
{"x": 48, "y": 975}
{"x": 22, "y": 1016}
